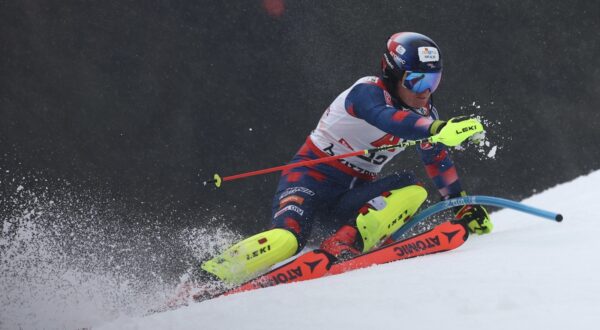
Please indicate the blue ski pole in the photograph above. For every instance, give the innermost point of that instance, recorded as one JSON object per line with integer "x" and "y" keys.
{"x": 470, "y": 200}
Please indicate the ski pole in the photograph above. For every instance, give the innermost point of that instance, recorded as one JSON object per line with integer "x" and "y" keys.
{"x": 217, "y": 179}
{"x": 455, "y": 131}
{"x": 471, "y": 200}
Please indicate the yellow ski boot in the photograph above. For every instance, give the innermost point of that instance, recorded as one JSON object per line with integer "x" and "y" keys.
{"x": 252, "y": 256}
{"x": 385, "y": 214}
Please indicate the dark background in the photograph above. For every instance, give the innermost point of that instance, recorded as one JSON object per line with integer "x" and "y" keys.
{"x": 141, "y": 101}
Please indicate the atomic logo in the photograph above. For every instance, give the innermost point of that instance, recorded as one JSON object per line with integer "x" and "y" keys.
{"x": 450, "y": 235}
{"x": 312, "y": 265}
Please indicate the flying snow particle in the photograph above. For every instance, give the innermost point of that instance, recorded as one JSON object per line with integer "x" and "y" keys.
{"x": 492, "y": 153}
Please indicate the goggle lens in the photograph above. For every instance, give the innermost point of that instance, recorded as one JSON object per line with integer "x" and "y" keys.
{"x": 418, "y": 82}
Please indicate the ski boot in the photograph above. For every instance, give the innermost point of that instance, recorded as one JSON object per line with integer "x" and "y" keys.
{"x": 252, "y": 256}
{"x": 376, "y": 222}
{"x": 384, "y": 215}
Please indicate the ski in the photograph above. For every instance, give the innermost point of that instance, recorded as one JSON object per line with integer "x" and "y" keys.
{"x": 317, "y": 263}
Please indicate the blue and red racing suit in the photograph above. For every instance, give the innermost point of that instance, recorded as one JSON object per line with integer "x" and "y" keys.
{"x": 362, "y": 117}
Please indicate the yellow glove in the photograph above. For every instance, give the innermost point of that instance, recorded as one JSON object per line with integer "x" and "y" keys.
{"x": 476, "y": 217}
{"x": 456, "y": 131}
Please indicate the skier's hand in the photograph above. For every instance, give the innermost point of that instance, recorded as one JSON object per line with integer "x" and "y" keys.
{"x": 476, "y": 217}
{"x": 455, "y": 131}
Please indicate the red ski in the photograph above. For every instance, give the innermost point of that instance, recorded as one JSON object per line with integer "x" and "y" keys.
{"x": 315, "y": 264}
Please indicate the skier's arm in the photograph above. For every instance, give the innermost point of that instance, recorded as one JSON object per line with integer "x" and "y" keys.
{"x": 367, "y": 102}
{"x": 440, "y": 168}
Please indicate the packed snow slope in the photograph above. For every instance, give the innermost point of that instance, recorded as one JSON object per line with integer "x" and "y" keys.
{"x": 530, "y": 273}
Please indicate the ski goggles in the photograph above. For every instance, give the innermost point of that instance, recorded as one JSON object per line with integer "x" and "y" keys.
{"x": 418, "y": 82}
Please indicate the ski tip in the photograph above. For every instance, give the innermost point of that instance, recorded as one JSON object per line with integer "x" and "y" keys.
{"x": 559, "y": 217}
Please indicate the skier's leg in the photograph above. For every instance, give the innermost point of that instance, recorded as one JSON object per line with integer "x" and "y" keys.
{"x": 354, "y": 199}
{"x": 299, "y": 198}
{"x": 382, "y": 206}
{"x": 252, "y": 255}
{"x": 300, "y": 193}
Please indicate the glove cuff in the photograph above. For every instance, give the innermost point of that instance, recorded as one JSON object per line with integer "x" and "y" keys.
{"x": 436, "y": 126}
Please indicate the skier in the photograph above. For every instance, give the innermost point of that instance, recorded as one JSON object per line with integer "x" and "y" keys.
{"x": 373, "y": 112}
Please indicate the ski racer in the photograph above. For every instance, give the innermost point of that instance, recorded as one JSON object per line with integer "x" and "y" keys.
{"x": 375, "y": 111}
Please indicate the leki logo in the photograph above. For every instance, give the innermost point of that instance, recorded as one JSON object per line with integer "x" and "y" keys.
{"x": 258, "y": 252}
{"x": 466, "y": 129}
{"x": 399, "y": 218}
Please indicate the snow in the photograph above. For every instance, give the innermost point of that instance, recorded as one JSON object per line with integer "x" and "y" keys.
{"x": 530, "y": 273}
